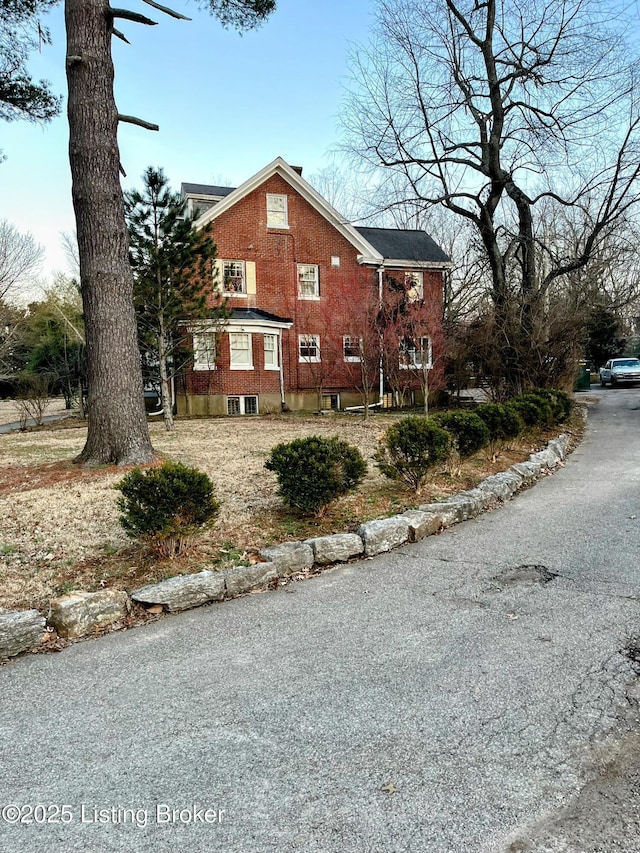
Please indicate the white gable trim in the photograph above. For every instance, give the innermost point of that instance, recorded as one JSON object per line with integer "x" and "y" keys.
{"x": 280, "y": 167}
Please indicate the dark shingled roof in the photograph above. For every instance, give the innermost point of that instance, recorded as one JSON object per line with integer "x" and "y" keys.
{"x": 400, "y": 245}
{"x": 257, "y": 314}
{"x": 205, "y": 189}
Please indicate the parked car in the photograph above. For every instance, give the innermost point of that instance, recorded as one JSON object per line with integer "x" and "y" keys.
{"x": 619, "y": 370}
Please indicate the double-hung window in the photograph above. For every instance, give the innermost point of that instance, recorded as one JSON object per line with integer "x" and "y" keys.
{"x": 309, "y": 348}
{"x": 351, "y": 348}
{"x": 241, "y": 356}
{"x": 271, "y": 361}
{"x": 308, "y": 281}
{"x": 413, "y": 285}
{"x": 204, "y": 351}
{"x": 415, "y": 353}
{"x": 277, "y": 211}
{"x": 233, "y": 277}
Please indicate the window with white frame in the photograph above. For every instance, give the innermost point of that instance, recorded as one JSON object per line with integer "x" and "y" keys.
{"x": 242, "y": 405}
{"x": 271, "y": 361}
{"x": 351, "y": 348}
{"x": 413, "y": 284}
{"x": 277, "y": 211}
{"x": 308, "y": 281}
{"x": 416, "y": 353}
{"x": 309, "y": 348}
{"x": 204, "y": 351}
{"x": 241, "y": 356}
{"x": 233, "y": 277}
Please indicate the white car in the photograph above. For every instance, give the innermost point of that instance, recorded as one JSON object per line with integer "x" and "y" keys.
{"x": 619, "y": 370}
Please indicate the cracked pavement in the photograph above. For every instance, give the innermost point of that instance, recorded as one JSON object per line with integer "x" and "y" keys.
{"x": 431, "y": 700}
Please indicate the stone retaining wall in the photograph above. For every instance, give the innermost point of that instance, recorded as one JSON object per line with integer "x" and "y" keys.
{"x": 82, "y": 613}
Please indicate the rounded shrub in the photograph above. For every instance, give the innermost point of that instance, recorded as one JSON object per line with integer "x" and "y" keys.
{"x": 559, "y": 401}
{"x": 410, "y": 448}
{"x": 543, "y": 405}
{"x": 167, "y": 505}
{"x": 469, "y": 432}
{"x": 503, "y": 422}
{"x": 314, "y": 471}
{"x": 529, "y": 410}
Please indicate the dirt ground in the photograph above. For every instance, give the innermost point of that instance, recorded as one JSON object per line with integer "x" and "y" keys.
{"x": 59, "y": 526}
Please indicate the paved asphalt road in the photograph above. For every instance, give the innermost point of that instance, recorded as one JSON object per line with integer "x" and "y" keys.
{"x": 434, "y": 700}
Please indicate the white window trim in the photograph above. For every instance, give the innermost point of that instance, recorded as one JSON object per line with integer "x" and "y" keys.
{"x": 284, "y": 225}
{"x": 198, "y": 363}
{"x": 311, "y": 296}
{"x": 309, "y": 359}
{"x": 276, "y": 352}
{"x": 235, "y": 293}
{"x": 351, "y": 358}
{"x": 418, "y": 275}
{"x": 249, "y": 365}
{"x": 419, "y": 365}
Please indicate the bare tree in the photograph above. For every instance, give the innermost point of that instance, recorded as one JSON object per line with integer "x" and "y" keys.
{"x": 20, "y": 258}
{"x": 502, "y": 112}
{"x": 117, "y": 425}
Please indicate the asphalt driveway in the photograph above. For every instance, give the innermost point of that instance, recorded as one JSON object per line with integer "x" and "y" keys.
{"x": 467, "y": 693}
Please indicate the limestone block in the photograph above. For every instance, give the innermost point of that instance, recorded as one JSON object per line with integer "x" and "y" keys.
{"x": 527, "y": 470}
{"x": 289, "y": 557}
{"x": 498, "y": 488}
{"x": 183, "y": 591}
{"x": 245, "y": 578}
{"x": 336, "y": 549}
{"x": 20, "y": 631}
{"x": 422, "y": 524}
{"x": 80, "y": 613}
{"x": 450, "y": 512}
{"x": 383, "y": 534}
{"x": 547, "y": 458}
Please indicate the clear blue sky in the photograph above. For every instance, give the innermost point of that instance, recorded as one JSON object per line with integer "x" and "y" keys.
{"x": 226, "y": 105}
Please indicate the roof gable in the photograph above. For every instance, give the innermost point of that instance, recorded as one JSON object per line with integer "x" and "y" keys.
{"x": 279, "y": 167}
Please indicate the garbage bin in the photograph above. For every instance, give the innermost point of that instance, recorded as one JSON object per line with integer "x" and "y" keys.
{"x": 583, "y": 382}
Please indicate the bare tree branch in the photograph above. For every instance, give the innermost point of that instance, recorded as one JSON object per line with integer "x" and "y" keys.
{"x": 139, "y": 121}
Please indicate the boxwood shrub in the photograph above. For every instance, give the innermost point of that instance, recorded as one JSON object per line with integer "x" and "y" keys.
{"x": 468, "y": 431}
{"x": 314, "y": 471}
{"x": 166, "y": 506}
{"x": 411, "y": 448}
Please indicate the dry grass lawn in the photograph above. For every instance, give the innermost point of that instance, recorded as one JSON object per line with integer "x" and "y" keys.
{"x": 60, "y": 530}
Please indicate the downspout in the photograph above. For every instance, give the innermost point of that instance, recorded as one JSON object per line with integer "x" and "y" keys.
{"x": 380, "y": 365}
{"x": 282, "y": 399}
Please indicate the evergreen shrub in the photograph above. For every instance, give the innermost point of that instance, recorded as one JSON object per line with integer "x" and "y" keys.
{"x": 503, "y": 422}
{"x": 314, "y": 471}
{"x": 166, "y": 506}
{"x": 410, "y": 448}
{"x": 559, "y": 401}
{"x": 468, "y": 431}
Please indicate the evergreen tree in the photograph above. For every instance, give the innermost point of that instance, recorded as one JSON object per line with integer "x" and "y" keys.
{"x": 20, "y": 33}
{"x": 173, "y": 278}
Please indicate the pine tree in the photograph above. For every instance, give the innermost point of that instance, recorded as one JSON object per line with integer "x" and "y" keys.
{"x": 172, "y": 270}
{"x": 20, "y": 33}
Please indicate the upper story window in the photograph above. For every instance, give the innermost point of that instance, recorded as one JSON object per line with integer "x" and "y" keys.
{"x": 233, "y": 277}
{"x": 413, "y": 283}
{"x": 308, "y": 281}
{"x": 241, "y": 354}
{"x": 277, "y": 211}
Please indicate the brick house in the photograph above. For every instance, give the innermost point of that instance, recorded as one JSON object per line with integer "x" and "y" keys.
{"x": 302, "y": 286}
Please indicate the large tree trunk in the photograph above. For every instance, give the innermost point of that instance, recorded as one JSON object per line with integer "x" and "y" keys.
{"x": 118, "y": 431}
